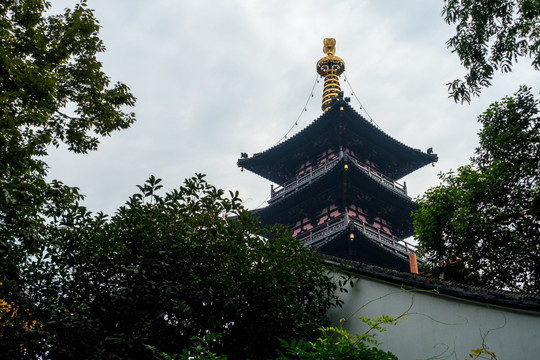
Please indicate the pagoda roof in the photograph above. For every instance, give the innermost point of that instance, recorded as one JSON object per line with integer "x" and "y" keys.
{"x": 339, "y": 127}
{"x": 331, "y": 186}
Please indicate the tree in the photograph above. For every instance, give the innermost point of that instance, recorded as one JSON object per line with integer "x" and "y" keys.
{"x": 163, "y": 269}
{"x": 52, "y": 91}
{"x": 491, "y": 35}
{"x": 482, "y": 225}
{"x": 167, "y": 268}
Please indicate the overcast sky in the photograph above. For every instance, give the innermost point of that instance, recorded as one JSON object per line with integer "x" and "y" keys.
{"x": 217, "y": 78}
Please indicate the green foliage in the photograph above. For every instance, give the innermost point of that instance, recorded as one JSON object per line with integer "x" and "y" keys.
{"x": 338, "y": 343}
{"x": 481, "y": 225}
{"x": 491, "y": 35}
{"x": 167, "y": 268}
{"x": 200, "y": 350}
{"x": 333, "y": 343}
{"x": 52, "y": 91}
{"x": 376, "y": 323}
{"x": 163, "y": 269}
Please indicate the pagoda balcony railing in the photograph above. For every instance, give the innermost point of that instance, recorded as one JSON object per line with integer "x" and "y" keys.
{"x": 402, "y": 188}
{"x": 300, "y": 180}
{"x": 321, "y": 169}
{"x": 323, "y": 231}
{"x": 319, "y": 235}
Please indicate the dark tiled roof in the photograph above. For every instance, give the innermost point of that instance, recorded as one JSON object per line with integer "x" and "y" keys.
{"x": 262, "y": 163}
{"x": 416, "y": 281}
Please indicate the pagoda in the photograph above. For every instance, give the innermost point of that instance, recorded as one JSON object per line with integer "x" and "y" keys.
{"x": 337, "y": 181}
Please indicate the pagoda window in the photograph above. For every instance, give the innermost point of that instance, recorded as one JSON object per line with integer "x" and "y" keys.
{"x": 386, "y": 227}
{"x": 301, "y": 226}
{"x": 374, "y": 168}
{"x": 326, "y": 157}
{"x": 297, "y": 228}
{"x": 335, "y": 213}
{"x": 322, "y": 216}
{"x": 322, "y": 219}
{"x": 305, "y": 224}
{"x": 383, "y": 225}
{"x": 356, "y": 213}
{"x": 303, "y": 169}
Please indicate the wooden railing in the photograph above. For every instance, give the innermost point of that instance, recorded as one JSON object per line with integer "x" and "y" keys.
{"x": 379, "y": 177}
{"x": 300, "y": 180}
{"x": 315, "y": 235}
{"x": 322, "y": 231}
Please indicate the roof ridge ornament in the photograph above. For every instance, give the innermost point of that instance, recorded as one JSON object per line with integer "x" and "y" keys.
{"x": 330, "y": 67}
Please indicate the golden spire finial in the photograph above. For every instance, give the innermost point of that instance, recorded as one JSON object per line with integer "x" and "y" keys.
{"x": 329, "y": 47}
{"x": 330, "y": 67}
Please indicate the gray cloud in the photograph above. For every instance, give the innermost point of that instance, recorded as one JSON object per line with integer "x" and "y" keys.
{"x": 214, "y": 79}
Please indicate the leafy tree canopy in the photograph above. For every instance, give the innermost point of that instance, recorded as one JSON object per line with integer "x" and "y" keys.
{"x": 163, "y": 269}
{"x": 52, "y": 91}
{"x": 491, "y": 35}
{"x": 167, "y": 268}
{"x": 333, "y": 343}
{"x": 482, "y": 224}
{"x": 338, "y": 343}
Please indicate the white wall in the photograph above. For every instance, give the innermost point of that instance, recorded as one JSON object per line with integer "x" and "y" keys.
{"x": 436, "y": 326}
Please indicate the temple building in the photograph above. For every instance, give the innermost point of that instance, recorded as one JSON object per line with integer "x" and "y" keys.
{"x": 337, "y": 181}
